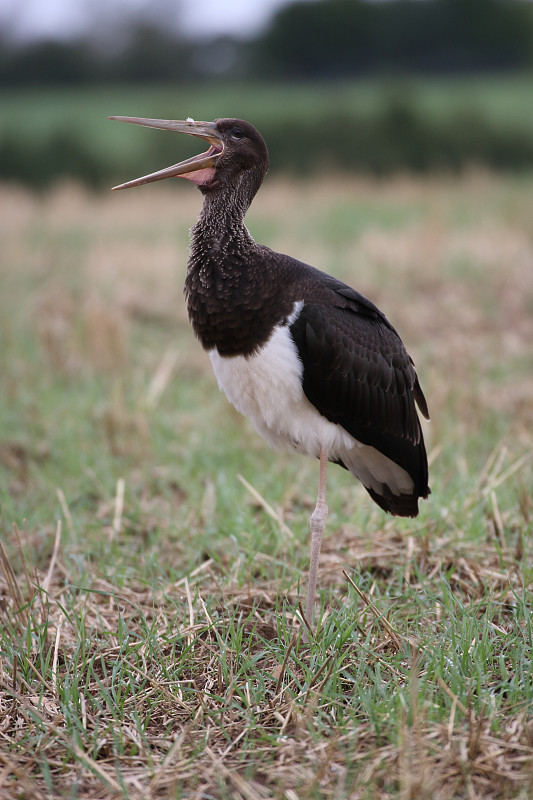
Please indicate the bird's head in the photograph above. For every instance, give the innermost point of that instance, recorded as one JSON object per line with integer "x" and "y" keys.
{"x": 236, "y": 149}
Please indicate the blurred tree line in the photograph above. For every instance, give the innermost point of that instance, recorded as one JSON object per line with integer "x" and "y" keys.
{"x": 321, "y": 41}
{"x": 305, "y": 40}
{"x": 334, "y": 38}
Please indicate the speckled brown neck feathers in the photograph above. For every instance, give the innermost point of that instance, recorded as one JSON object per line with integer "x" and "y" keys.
{"x": 232, "y": 287}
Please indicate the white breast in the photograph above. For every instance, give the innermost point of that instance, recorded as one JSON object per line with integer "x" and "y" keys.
{"x": 267, "y": 388}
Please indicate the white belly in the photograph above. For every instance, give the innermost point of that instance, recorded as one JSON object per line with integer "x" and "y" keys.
{"x": 267, "y": 388}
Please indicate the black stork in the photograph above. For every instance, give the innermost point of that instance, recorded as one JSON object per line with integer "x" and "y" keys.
{"x": 314, "y": 365}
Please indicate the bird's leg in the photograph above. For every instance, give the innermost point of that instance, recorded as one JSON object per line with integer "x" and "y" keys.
{"x": 318, "y": 523}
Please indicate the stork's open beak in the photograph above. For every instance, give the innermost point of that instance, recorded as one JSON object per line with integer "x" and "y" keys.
{"x": 198, "y": 168}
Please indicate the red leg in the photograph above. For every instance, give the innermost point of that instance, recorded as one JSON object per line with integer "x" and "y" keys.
{"x": 318, "y": 523}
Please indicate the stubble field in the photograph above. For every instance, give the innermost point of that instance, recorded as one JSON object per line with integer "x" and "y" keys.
{"x": 154, "y": 550}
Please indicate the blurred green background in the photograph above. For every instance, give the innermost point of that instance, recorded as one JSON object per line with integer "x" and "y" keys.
{"x": 338, "y": 85}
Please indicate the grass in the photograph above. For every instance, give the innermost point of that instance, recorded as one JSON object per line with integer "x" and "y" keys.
{"x": 448, "y": 122}
{"x": 500, "y": 98}
{"x": 149, "y": 638}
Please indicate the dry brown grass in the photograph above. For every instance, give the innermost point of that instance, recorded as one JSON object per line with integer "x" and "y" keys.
{"x": 121, "y": 685}
{"x": 202, "y": 733}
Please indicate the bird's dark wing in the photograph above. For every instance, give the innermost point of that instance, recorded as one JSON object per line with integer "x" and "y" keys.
{"x": 358, "y": 374}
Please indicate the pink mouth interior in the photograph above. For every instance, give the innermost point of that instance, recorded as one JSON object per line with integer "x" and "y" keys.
{"x": 202, "y": 176}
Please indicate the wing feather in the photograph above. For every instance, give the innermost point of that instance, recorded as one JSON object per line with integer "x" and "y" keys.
{"x": 358, "y": 374}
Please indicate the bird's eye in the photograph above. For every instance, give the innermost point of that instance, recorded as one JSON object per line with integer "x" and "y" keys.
{"x": 237, "y": 133}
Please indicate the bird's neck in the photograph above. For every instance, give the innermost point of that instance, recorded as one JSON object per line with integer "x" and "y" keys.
{"x": 229, "y": 285}
{"x": 220, "y": 231}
